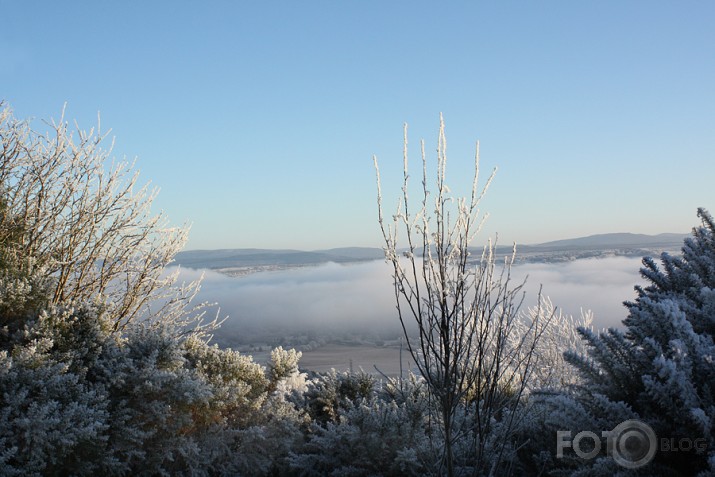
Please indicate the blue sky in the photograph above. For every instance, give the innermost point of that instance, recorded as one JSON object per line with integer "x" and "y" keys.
{"x": 258, "y": 120}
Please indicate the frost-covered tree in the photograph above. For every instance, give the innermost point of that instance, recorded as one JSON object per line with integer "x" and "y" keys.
{"x": 466, "y": 312}
{"x": 558, "y": 333}
{"x": 87, "y": 222}
{"x": 330, "y": 393}
{"x": 103, "y": 366}
{"x": 660, "y": 369}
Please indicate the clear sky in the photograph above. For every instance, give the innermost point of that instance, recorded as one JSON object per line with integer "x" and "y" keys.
{"x": 258, "y": 120}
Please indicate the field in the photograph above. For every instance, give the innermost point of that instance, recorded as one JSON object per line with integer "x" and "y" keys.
{"x": 346, "y": 357}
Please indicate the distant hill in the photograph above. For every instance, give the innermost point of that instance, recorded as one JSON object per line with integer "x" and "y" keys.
{"x": 355, "y": 253}
{"x": 254, "y": 257}
{"x": 238, "y": 262}
{"x": 617, "y": 240}
{"x": 598, "y": 246}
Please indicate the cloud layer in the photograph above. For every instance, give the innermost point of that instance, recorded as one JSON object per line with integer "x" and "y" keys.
{"x": 600, "y": 285}
{"x": 359, "y": 297}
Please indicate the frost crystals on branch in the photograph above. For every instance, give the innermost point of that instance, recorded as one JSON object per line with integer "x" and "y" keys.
{"x": 87, "y": 226}
{"x": 468, "y": 345}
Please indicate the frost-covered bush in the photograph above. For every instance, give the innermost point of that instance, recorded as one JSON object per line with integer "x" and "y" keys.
{"x": 51, "y": 422}
{"x": 22, "y": 293}
{"x": 78, "y": 401}
{"x": 372, "y": 437}
{"x": 283, "y": 372}
{"x": 78, "y": 398}
{"x": 396, "y": 430}
{"x": 326, "y": 395}
{"x": 254, "y": 425}
{"x": 239, "y": 386}
{"x": 362, "y": 427}
{"x": 157, "y": 403}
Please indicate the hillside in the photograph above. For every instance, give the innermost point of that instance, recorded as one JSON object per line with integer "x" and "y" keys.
{"x": 615, "y": 240}
{"x": 239, "y": 262}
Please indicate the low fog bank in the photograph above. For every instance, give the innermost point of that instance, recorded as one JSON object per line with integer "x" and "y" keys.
{"x": 339, "y": 300}
{"x": 597, "y": 284}
{"x": 357, "y": 300}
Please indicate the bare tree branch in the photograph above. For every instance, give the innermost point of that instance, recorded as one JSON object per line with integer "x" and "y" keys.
{"x": 470, "y": 344}
{"x": 88, "y": 223}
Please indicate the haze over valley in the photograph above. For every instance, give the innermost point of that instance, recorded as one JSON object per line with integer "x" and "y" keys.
{"x": 317, "y": 300}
